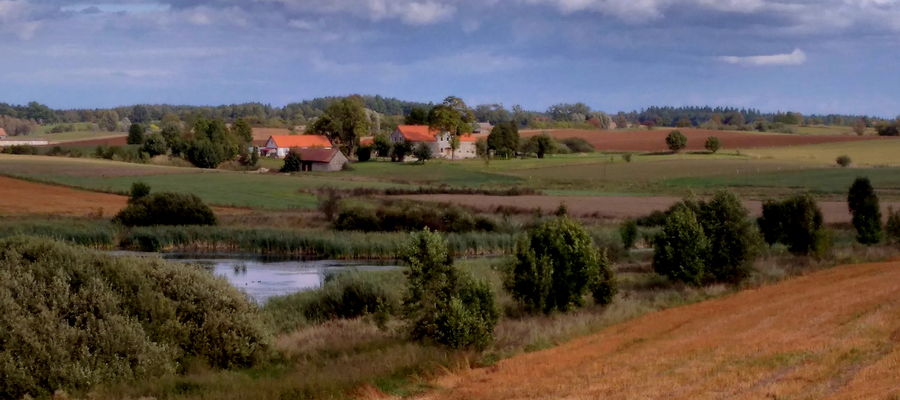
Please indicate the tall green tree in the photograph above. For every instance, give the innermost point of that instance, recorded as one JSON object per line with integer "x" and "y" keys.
{"x": 864, "y": 206}
{"x": 443, "y": 304}
{"x": 504, "y": 139}
{"x": 243, "y": 130}
{"x": 680, "y": 251}
{"x": 417, "y": 116}
{"x": 136, "y": 134}
{"x": 344, "y": 122}
{"x": 556, "y": 264}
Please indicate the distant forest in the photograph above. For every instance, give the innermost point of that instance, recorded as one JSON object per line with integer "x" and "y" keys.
{"x": 576, "y": 115}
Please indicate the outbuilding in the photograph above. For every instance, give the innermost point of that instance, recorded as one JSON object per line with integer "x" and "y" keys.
{"x": 321, "y": 160}
{"x": 279, "y": 145}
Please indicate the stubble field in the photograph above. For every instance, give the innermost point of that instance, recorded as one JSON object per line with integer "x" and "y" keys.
{"x": 834, "y": 334}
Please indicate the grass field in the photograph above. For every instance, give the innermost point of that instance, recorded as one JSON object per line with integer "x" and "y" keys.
{"x": 865, "y": 153}
{"x": 825, "y": 180}
{"x": 814, "y": 337}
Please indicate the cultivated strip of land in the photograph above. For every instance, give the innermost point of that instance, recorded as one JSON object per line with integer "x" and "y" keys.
{"x": 834, "y": 334}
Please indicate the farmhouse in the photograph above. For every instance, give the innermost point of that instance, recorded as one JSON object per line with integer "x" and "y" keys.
{"x": 438, "y": 142}
{"x": 279, "y": 145}
{"x": 321, "y": 159}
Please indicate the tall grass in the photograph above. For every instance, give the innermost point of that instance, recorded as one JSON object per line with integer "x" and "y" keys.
{"x": 309, "y": 243}
{"x": 86, "y": 232}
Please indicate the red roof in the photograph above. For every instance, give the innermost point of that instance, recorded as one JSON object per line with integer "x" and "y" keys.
{"x": 316, "y": 154}
{"x": 2, "y": 132}
{"x": 301, "y": 141}
{"x": 366, "y": 141}
{"x": 468, "y": 138}
{"x": 417, "y": 133}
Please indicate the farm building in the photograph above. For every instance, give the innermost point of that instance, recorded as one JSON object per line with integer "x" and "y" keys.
{"x": 2, "y": 133}
{"x": 483, "y": 127}
{"x": 438, "y": 142}
{"x": 321, "y": 159}
{"x": 279, "y": 145}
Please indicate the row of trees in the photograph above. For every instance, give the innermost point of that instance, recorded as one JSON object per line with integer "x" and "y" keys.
{"x": 205, "y": 143}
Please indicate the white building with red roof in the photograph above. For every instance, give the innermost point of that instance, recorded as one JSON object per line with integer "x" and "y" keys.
{"x": 438, "y": 142}
{"x": 280, "y": 145}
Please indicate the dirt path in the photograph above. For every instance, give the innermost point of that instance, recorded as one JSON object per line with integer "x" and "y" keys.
{"x": 610, "y": 207}
{"x": 18, "y": 197}
{"x": 834, "y": 334}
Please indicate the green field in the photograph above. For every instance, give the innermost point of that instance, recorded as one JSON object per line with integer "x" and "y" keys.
{"x": 827, "y": 180}
{"x": 864, "y": 153}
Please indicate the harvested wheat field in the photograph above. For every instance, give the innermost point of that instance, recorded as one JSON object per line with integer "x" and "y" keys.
{"x": 18, "y": 197}
{"x": 117, "y": 140}
{"x": 834, "y": 334}
{"x": 610, "y": 207}
{"x": 655, "y": 140}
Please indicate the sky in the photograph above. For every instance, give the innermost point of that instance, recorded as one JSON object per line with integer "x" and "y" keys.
{"x": 812, "y": 56}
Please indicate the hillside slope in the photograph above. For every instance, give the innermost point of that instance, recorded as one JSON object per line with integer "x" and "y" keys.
{"x": 834, "y": 334}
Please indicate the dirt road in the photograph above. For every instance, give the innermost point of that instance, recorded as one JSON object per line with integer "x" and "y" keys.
{"x": 834, "y": 334}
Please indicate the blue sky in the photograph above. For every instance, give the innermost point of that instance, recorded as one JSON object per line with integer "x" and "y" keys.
{"x": 813, "y": 56}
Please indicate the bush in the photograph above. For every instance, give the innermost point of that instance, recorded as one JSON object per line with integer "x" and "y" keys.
{"x": 139, "y": 190}
{"x": 627, "y": 157}
{"x": 400, "y": 150}
{"x": 712, "y": 144}
{"x": 795, "y": 222}
{"x": 578, "y": 145}
{"x": 135, "y": 134}
{"x": 291, "y": 162}
{"x": 892, "y": 228}
{"x": 555, "y": 265}
{"x": 863, "y": 204}
{"x": 203, "y": 154}
{"x": 442, "y": 304}
{"x": 539, "y": 145}
{"x": 629, "y": 233}
{"x": 155, "y": 145}
{"x": 733, "y": 239}
{"x": 166, "y": 209}
{"x": 409, "y": 216}
{"x": 680, "y": 250}
{"x": 363, "y": 154}
{"x": 676, "y": 141}
{"x": 21, "y": 149}
{"x": 104, "y": 319}
{"x": 422, "y": 152}
{"x": 843, "y": 161}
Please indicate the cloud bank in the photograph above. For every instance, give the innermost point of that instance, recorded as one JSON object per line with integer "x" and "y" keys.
{"x": 796, "y": 57}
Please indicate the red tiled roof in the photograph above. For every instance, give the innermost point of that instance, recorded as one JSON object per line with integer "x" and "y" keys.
{"x": 266, "y": 133}
{"x": 301, "y": 141}
{"x": 2, "y": 132}
{"x": 366, "y": 141}
{"x": 417, "y": 133}
{"x": 468, "y": 138}
{"x": 316, "y": 154}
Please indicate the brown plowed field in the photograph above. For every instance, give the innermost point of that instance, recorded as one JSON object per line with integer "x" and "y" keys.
{"x": 18, "y": 197}
{"x": 834, "y": 334}
{"x": 655, "y": 140}
{"x": 107, "y": 141}
{"x": 610, "y": 207}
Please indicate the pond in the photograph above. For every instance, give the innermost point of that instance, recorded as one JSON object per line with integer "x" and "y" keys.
{"x": 262, "y": 278}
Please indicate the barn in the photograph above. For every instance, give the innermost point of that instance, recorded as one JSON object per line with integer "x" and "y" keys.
{"x": 321, "y": 160}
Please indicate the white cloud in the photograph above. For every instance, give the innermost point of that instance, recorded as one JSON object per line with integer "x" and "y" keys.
{"x": 411, "y": 12}
{"x": 14, "y": 19}
{"x": 796, "y": 57}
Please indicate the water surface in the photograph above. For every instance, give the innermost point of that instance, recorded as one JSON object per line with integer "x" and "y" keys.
{"x": 263, "y": 279}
